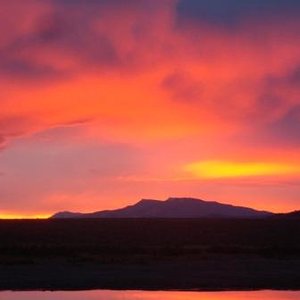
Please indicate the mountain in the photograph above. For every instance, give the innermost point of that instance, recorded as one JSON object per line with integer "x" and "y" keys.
{"x": 172, "y": 208}
{"x": 291, "y": 215}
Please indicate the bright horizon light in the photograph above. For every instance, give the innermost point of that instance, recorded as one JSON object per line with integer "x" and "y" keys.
{"x": 214, "y": 169}
{"x": 20, "y": 216}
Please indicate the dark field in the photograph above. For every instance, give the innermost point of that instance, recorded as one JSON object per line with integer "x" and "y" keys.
{"x": 150, "y": 254}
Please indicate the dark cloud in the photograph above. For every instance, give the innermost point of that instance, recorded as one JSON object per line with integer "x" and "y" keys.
{"x": 109, "y": 34}
{"x": 268, "y": 102}
{"x": 291, "y": 79}
{"x": 271, "y": 103}
{"x": 75, "y": 30}
{"x": 76, "y": 122}
{"x": 229, "y": 12}
{"x": 17, "y": 59}
{"x": 286, "y": 130}
{"x": 279, "y": 133}
{"x": 183, "y": 87}
{"x": 26, "y": 70}
{"x": 72, "y": 32}
{"x": 96, "y": 4}
{"x": 294, "y": 78}
{"x": 63, "y": 32}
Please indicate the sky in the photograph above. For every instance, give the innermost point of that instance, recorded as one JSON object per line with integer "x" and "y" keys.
{"x": 105, "y": 102}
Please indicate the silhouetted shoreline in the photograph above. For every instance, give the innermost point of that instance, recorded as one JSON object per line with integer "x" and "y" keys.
{"x": 147, "y": 254}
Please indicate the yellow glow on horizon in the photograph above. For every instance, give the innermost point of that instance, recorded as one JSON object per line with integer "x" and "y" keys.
{"x": 214, "y": 169}
{"x": 10, "y": 216}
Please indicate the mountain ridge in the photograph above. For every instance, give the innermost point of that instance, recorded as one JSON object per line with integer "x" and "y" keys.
{"x": 172, "y": 207}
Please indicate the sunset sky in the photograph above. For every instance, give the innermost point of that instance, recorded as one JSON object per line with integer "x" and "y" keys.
{"x": 105, "y": 102}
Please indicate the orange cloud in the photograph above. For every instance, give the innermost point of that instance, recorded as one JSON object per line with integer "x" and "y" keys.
{"x": 141, "y": 75}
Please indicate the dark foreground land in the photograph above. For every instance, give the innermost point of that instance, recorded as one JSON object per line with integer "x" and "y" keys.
{"x": 207, "y": 254}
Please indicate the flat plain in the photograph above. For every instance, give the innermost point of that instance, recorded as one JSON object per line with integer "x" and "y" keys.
{"x": 152, "y": 254}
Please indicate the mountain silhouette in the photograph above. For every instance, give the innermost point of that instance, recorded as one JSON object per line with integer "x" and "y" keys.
{"x": 291, "y": 215}
{"x": 172, "y": 208}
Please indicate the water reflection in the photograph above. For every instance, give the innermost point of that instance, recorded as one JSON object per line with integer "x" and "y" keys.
{"x": 144, "y": 295}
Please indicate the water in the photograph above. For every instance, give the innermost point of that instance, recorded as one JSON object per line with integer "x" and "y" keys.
{"x": 145, "y": 295}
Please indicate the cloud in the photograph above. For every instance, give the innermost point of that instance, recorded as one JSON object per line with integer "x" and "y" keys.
{"x": 83, "y": 59}
{"x": 182, "y": 87}
{"x": 23, "y": 70}
{"x": 64, "y": 38}
{"x": 232, "y": 12}
{"x": 283, "y": 132}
